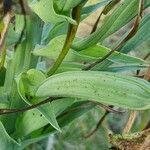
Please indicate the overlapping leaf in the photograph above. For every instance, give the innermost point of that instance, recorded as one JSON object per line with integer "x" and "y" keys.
{"x": 32, "y": 120}
{"x": 61, "y": 27}
{"x": 76, "y": 111}
{"x": 46, "y": 11}
{"x": 27, "y": 84}
{"x": 122, "y": 15}
{"x": 104, "y": 87}
{"x": 65, "y": 5}
{"x": 54, "y": 47}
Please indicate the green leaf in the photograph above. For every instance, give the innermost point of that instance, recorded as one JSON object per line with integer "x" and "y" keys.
{"x": 12, "y": 36}
{"x": 104, "y": 87}
{"x": 27, "y": 84}
{"x": 19, "y": 23}
{"x": 76, "y": 110}
{"x": 99, "y": 51}
{"x": 32, "y": 120}
{"x": 65, "y": 5}
{"x": 69, "y": 66}
{"x": 6, "y": 142}
{"x": 56, "y": 30}
{"x": 86, "y": 11}
{"x": 28, "y": 122}
{"x": 121, "y": 16}
{"x": 60, "y": 28}
{"x": 53, "y": 49}
{"x": 3, "y": 95}
{"x": 122, "y": 68}
{"x": 141, "y": 36}
{"x": 2, "y": 76}
{"x": 45, "y": 10}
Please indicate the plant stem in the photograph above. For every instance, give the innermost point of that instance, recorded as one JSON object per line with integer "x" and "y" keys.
{"x": 69, "y": 39}
{"x": 3, "y": 57}
{"x": 10, "y": 111}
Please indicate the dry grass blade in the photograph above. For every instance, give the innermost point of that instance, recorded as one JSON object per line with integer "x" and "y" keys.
{"x": 130, "y": 122}
{"x": 3, "y": 34}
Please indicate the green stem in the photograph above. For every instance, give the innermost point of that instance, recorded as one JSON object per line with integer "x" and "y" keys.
{"x": 3, "y": 56}
{"x": 68, "y": 42}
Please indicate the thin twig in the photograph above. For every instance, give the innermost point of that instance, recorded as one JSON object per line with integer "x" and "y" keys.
{"x": 128, "y": 37}
{"x": 10, "y": 111}
{"x": 96, "y": 23}
{"x": 148, "y": 55}
{"x": 98, "y": 125}
{"x": 6, "y": 20}
{"x": 106, "y": 9}
{"x": 109, "y": 108}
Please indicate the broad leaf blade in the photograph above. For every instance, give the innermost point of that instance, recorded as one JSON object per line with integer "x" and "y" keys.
{"x": 104, "y": 87}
